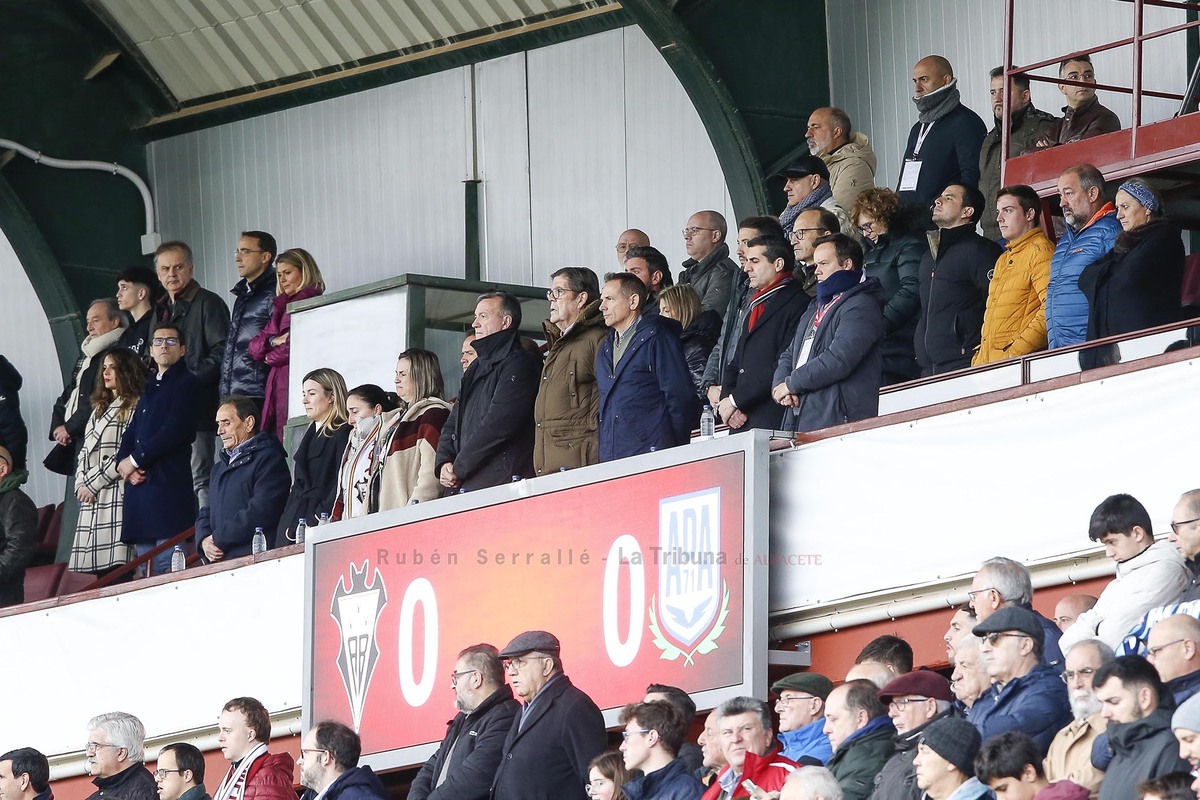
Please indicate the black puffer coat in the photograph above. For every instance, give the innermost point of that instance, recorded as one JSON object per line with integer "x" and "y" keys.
{"x": 13, "y": 433}
{"x": 895, "y": 260}
{"x": 698, "y": 341}
{"x": 252, "y": 307}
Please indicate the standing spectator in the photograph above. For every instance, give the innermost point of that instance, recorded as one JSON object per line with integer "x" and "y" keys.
{"x": 297, "y": 277}
{"x": 846, "y": 152}
{"x": 155, "y": 456}
{"x": 630, "y": 238}
{"x": 115, "y": 754}
{"x": 801, "y": 710}
{"x": 410, "y": 443}
{"x": 14, "y": 436}
{"x": 943, "y": 145}
{"x": 607, "y": 777}
{"x": 654, "y": 733}
{"x": 137, "y": 292}
{"x": 319, "y": 454}
{"x": 202, "y": 319}
{"x": 1090, "y": 231}
{"x": 807, "y": 187}
{"x": 1083, "y": 116}
{"x": 652, "y": 269}
{"x": 1026, "y": 125}
{"x": 488, "y": 437}
{"x": 766, "y": 324}
{"x": 249, "y": 484}
{"x": 468, "y": 352}
{"x": 954, "y": 282}
{"x": 73, "y": 407}
{"x": 369, "y": 412}
{"x": 646, "y": 396}
{"x": 701, "y": 328}
{"x": 179, "y": 773}
{"x": 945, "y": 761}
{"x": 25, "y": 775}
{"x": 914, "y": 700}
{"x": 1069, "y": 756}
{"x": 243, "y": 731}
{"x": 809, "y": 226}
{"x": 708, "y": 268}
{"x": 329, "y": 765}
{"x": 568, "y": 402}
{"x": 752, "y": 754}
{"x": 830, "y": 373}
{"x": 97, "y": 546}
{"x": 18, "y": 530}
{"x": 1139, "y": 283}
{"x": 894, "y": 243}
{"x": 861, "y": 734}
{"x": 254, "y": 296}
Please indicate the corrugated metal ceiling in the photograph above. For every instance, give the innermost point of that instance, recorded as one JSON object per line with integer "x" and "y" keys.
{"x": 203, "y": 49}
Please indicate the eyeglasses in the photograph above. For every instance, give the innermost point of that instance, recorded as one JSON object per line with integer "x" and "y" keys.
{"x": 623, "y": 246}
{"x": 245, "y": 251}
{"x": 971, "y": 595}
{"x": 556, "y": 292}
{"x": 796, "y": 698}
{"x": 591, "y": 787}
{"x": 92, "y": 747}
{"x": 315, "y": 750}
{"x": 1069, "y": 676}
{"x": 159, "y": 774}
{"x": 169, "y": 341}
{"x": 799, "y": 233}
{"x": 690, "y": 232}
{"x": 626, "y": 734}
{"x": 1152, "y": 652}
{"x": 902, "y": 702}
{"x": 995, "y": 636}
{"x": 866, "y": 228}
{"x": 454, "y": 676}
{"x": 1175, "y": 526}
{"x": 514, "y": 664}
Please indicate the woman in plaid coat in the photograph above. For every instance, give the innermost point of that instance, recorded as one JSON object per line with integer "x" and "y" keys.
{"x": 100, "y": 490}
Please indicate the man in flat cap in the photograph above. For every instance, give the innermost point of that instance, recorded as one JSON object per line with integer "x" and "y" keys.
{"x": 807, "y": 186}
{"x": 914, "y": 701}
{"x": 801, "y": 710}
{"x": 1025, "y": 694}
{"x": 945, "y": 761}
{"x": 557, "y": 732}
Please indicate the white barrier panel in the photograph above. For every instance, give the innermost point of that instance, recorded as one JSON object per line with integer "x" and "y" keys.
{"x": 930, "y": 499}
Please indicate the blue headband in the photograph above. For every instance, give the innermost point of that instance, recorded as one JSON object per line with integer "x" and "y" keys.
{"x": 1141, "y": 194}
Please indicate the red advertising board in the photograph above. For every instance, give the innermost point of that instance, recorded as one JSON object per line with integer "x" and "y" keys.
{"x": 643, "y": 577}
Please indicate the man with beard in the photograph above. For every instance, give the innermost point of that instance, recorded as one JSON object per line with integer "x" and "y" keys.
{"x": 847, "y": 154}
{"x": 329, "y": 766}
{"x": 1070, "y": 754}
{"x": 961, "y": 623}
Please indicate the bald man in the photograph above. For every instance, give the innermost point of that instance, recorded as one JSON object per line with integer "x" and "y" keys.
{"x": 1070, "y": 607}
{"x": 1173, "y": 647}
{"x": 943, "y": 146}
{"x": 630, "y": 238}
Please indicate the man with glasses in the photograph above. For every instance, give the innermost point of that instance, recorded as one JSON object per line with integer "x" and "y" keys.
{"x": 25, "y": 775}
{"x": 654, "y": 733}
{"x": 1173, "y": 647}
{"x": 752, "y": 754}
{"x": 465, "y": 762}
{"x": 1025, "y": 694}
{"x": 1070, "y": 754}
{"x": 1185, "y": 534}
{"x": 243, "y": 731}
{"x": 202, "y": 319}
{"x": 914, "y": 701}
{"x": 18, "y": 531}
{"x": 180, "y": 773}
{"x": 1004, "y": 583}
{"x": 801, "y": 710}
{"x": 557, "y": 732}
{"x": 254, "y": 300}
{"x": 708, "y": 268}
{"x": 809, "y": 226}
{"x": 115, "y": 752}
{"x": 329, "y": 765}
{"x": 630, "y": 238}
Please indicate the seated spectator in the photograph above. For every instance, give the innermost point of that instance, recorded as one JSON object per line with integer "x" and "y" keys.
{"x": 630, "y": 238}
{"x": 945, "y": 761}
{"x": 767, "y": 322}
{"x": 1025, "y": 694}
{"x": 961, "y": 622}
{"x": 970, "y": 679}
{"x": 1014, "y": 323}
{"x": 568, "y": 401}
{"x": 1009, "y": 765}
{"x": 830, "y": 373}
{"x": 1185, "y": 724}
{"x": 894, "y": 241}
{"x": 801, "y": 710}
{"x": 297, "y": 277}
{"x": 319, "y": 454}
{"x": 243, "y": 731}
{"x": 651, "y": 268}
{"x": 1083, "y": 116}
{"x": 653, "y": 734}
{"x": 811, "y": 783}
{"x": 1139, "y": 725}
{"x": 97, "y": 547}
{"x": 249, "y": 485}
{"x": 751, "y": 750}
{"x": 846, "y": 152}
{"x": 488, "y": 437}
{"x": 369, "y": 411}
{"x": 807, "y": 186}
{"x": 1070, "y": 607}
{"x": 607, "y": 777}
{"x": 115, "y": 755}
{"x": 1004, "y": 583}
{"x": 14, "y": 435}
{"x": 914, "y": 700}
{"x": 1174, "y": 650}
{"x": 25, "y": 775}
{"x": 179, "y": 773}
{"x": 808, "y": 227}
{"x": 1139, "y": 283}
{"x": 1069, "y": 757}
{"x": 883, "y": 659}
{"x": 1172, "y": 786}
{"x": 1185, "y": 534}
{"x": 137, "y": 292}
{"x": 955, "y": 275}
{"x": 861, "y": 732}
{"x": 708, "y": 268}
{"x": 329, "y": 765}
{"x": 701, "y": 328}
{"x": 689, "y": 752}
{"x": 646, "y": 396}
{"x": 410, "y": 443}
{"x": 1149, "y": 573}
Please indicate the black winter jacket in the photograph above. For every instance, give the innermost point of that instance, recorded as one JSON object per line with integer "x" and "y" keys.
{"x": 318, "y": 460}
{"x": 711, "y": 277}
{"x": 489, "y": 434}
{"x": 203, "y": 319}
{"x": 698, "y": 341}
{"x": 133, "y": 783}
{"x": 954, "y": 290}
{"x": 356, "y": 783}
{"x": 18, "y": 529}
{"x": 473, "y": 762}
{"x": 896, "y": 262}
{"x": 246, "y": 493}
{"x": 13, "y": 433}
{"x": 252, "y": 307}
{"x": 1143, "y": 749}
{"x": 949, "y": 154}
{"x": 721, "y": 353}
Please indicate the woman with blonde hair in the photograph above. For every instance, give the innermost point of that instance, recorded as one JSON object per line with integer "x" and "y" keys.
{"x": 409, "y": 443}
{"x": 701, "y": 328}
{"x": 98, "y": 486}
{"x": 319, "y": 455}
{"x": 297, "y": 277}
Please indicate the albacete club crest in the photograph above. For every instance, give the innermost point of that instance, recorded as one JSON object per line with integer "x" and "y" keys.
{"x": 356, "y": 609}
{"x": 687, "y": 615}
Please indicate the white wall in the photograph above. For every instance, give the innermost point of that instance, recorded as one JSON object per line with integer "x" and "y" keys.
{"x": 573, "y": 143}
{"x": 873, "y": 46}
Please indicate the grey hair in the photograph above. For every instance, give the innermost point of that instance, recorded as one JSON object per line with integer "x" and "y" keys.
{"x": 124, "y": 730}
{"x": 1103, "y": 651}
{"x": 744, "y": 705}
{"x": 1009, "y": 578}
{"x": 110, "y": 308}
{"x": 816, "y": 782}
{"x": 942, "y": 706}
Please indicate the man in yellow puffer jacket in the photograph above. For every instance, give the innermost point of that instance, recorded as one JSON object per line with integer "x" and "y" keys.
{"x": 1014, "y": 323}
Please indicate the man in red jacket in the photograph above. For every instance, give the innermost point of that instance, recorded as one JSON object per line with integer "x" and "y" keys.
{"x": 754, "y": 755}
{"x": 254, "y": 774}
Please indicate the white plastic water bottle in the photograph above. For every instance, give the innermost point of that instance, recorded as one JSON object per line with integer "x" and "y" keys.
{"x": 259, "y": 543}
{"x": 708, "y": 423}
{"x": 322, "y": 518}
{"x": 301, "y": 530}
{"x": 178, "y": 559}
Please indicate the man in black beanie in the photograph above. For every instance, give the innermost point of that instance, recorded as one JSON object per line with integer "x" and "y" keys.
{"x": 945, "y": 761}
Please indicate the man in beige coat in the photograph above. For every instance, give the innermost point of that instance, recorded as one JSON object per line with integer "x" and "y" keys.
{"x": 847, "y": 154}
{"x": 1069, "y": 757}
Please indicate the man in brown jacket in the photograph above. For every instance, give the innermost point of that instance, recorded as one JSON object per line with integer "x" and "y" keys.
{"x": 567, "y": 408}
